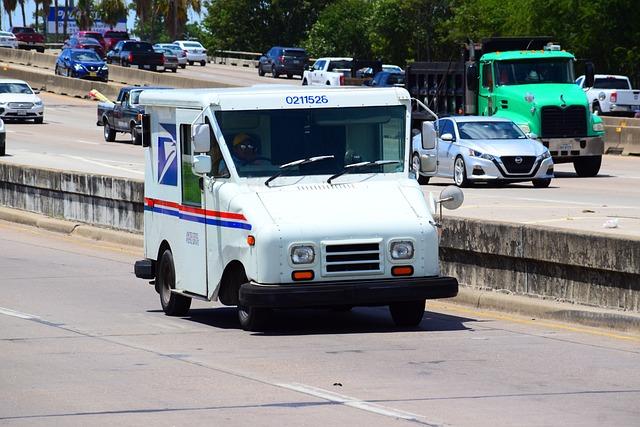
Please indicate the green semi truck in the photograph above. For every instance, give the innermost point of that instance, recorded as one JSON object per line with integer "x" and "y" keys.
{"x": 528, "y": 80}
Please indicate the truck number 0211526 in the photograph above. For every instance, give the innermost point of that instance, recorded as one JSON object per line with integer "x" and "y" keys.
{"x": 307, "y": 99}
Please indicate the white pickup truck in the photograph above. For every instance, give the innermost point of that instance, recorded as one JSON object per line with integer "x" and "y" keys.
{"x": 328, "y": 71}
{"x": 612, "y": 95}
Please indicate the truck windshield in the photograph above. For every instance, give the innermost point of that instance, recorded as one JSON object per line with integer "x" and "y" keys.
{"x": 261, "y": 141}
{"x": 533, "y": 71}
{"x": 489, "y": 130}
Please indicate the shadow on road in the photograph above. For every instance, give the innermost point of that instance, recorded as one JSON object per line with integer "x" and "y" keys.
{"x": 325, "y": 321}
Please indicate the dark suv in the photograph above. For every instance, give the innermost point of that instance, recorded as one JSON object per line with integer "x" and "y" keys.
{"x": 283, "y": 60}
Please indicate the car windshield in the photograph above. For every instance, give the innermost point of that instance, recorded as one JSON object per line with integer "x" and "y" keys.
{"x": 489, "y": 130}
{"x": 15, "y": 88}
{"x": 134, "y": 97}
{"x": 85, "y": 56}
{"x": 263, "y": 140}
{"x": 611, "y": 83}
{"x": 534, "y": 71}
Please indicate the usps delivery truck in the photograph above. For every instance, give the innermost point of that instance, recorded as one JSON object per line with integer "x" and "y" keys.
{"x": 287, "y": 197}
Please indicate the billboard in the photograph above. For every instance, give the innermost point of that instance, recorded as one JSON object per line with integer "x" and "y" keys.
{"x": 72, "y": 26}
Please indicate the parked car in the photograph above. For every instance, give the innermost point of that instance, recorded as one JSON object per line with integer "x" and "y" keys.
{"x": 473, "y": 149}
{"x": 180, "y": 53}
{"x": 82, "y": 64}
{"x": 84, "y": 43}
{"x": 611, "y": 94}
{"x": 92, "y": 35}
{"x": 112, "y": 37}
{"x": 19, "y": 102}
{"x": 28, "y": 38}
{"x": 3, "y": 139}
{"x": 141, "y": 54}
{"x": 8, "y": 39}
{"x": 122, "y": 116}
{"x": 386, "y": 79}
{"x": 283, "y": 60}
{"x": 195, "y": 51}
{"x": 170, "y": 58}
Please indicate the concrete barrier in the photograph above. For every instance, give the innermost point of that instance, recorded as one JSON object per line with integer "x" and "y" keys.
{"x": 28, "y": 57}
{"x": 622, "y": 135}
{"x": 591, "y": 269}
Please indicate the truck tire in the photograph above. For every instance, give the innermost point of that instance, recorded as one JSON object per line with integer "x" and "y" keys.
{"x": 260, "y": 71}
{"x": 407, "y": 314}
{"x": 3, "y": 149}
{"x": 132, "y": 129}
{"x": 305, "y": 82}
{"x": 460, "y": 173}
{"x": 587, "y": 166}
{"x": 109, "y": 134}
{"x": 203, "y": 63}
{"x": 253, "y": 318}
{"x": 596, "y": 108}
{"x": 172, "y": 304}
{"x": 415, "y": 164}
{"x": 190, "y": 62}
{"x": 40, "y": 49}
{"x": 541, "y": 183}
{"x": 183, "y": 66}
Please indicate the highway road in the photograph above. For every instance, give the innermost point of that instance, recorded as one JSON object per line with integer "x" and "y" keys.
{"x": 83, "y": 342}
{"x": 69, "y": 140}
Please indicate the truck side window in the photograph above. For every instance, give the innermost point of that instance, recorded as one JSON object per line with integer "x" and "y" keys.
{"x": 487, "y": 78}
{"x": 190, "y": 182}
{"x": 218, "y": 166}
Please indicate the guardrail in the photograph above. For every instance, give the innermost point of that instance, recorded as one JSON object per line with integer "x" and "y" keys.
{"x": 235, "y": 57}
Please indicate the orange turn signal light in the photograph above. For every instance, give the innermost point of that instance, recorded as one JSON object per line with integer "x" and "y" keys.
{"x": 402, "y": 270}
{"x": 302, "y": 275}
{"x": 251, "y": 241}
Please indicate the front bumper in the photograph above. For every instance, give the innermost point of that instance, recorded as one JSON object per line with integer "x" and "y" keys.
{"x": 565, "y": 150}
{"x": 21, "y": 114}
{"x": 356, "y": 293}
{"x": 479, "y": 169}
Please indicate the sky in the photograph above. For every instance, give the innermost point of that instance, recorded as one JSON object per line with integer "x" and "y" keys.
{"x": 29, "y": 9}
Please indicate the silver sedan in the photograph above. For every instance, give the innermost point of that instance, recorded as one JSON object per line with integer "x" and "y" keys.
{"x": 472, "y": 149}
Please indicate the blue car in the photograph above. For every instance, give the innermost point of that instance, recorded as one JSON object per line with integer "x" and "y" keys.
{"x": 82, "y": 64}
{"x": 386, "y": 79}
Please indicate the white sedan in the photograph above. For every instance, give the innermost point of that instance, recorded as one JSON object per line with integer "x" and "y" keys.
{"x": 8, "y": 39}
{"x": 19, "y": 102}
{"x": 195, "y": 51}
{"x": 473, "y": 149}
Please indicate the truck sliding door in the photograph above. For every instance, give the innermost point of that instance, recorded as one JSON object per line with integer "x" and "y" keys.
{"x": 486, "y": 101}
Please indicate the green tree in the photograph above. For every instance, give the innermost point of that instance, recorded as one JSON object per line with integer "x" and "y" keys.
{"x": 10, "y": 7}
{"x": 84, "y": 14}
{"x": 111, "y": 11}
{"x": 24, "y": 17}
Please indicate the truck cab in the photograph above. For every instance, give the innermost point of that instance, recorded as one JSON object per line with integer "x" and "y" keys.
{"x": 269, "y": 198}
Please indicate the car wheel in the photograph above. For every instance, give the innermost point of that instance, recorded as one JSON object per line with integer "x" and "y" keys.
{"x": 38, "y": 120}
{"x": 460, "y": 173}
{"x": 274, "y": 73}
{"x": 253, "y": 318}
{"x": 305, "y": 82}
{"x": 587, "y": 166}
{"x": 40, "y": 50}
{"x": 260, "y": 70}
{"x": 407, "y": 314}
{"x": 541, "y": 183}
{"x": 415, "y": 164}
{"x": 203, "y": 63}
{"x": 190, "y": 62}
{"x": 109, "y": 134}
{"x": 172, "y": 304}
{"x": 183, "y": 66}
{"x": 175, "y": 70}
{"x": 289, "y": 76}
{"x": 56, "y": 71}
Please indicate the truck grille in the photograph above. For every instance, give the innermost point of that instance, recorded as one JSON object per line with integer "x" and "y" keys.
{"x": 564, "y": 122}
{"x": 21, "y": 105}
{"x": 518, "y": 164}
{"x": 350, "y": 258}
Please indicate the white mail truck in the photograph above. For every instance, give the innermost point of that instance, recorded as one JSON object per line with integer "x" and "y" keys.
{"x": 287, "y": 197}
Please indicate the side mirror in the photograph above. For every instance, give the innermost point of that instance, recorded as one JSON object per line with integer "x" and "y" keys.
{"x": 589, "y": 74}
{"x": 532, "y": 135}
{"x": 472, "y": 77}
{"x": 428, "y": 136}
{"x": 37, "y": 92}
{"x": 201, "y": 138}
{"x": 451, "y": 197}
{"x": 201, "y": 164}
{"x": 446, "y": 137}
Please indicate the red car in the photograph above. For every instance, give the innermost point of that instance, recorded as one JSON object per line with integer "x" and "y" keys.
{"x": 92, "y": 35}
{"x": 84, "y": 43}
{"x": 28, "y": 38}
{"x": 111, "y": 37}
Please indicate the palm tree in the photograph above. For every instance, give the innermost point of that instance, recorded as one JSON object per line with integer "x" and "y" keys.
{"x": 111, "y": 11}
{"x": 64, "y": 23}
{"x": 84, "y": 14}
{"x": 24, "y": 18}
{"x": 144, "y": 10}
{"x": 175, "y": 13}
{"x": 9, "y": 7}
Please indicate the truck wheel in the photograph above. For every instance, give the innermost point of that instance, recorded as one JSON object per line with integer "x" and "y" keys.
{"x": 3, "y": 149}
{"x": 406, "y": 314}
{"x": 587, "y": 165}
{"x": 109, "y": 134}
{"x": 190, "y": 62}
{"x": 304, "y": 82}
{"x": 596, "y": 108}
{"x": 172, "y": 304}
{"x": 541, "y": 183}
{"x": 175, "y": 70}
{"x": 253, "y": 318}
{"x": 203, "y": 63}
{"x": 133, "y": 131}
{"x": 40, "y": 50}
{"x": 289, "y": 76}
{"x": 460, "y": 173}
{"x": 183, "y": 66}
{"x": 328, "y": 83}
{"x": 415, "y": 164}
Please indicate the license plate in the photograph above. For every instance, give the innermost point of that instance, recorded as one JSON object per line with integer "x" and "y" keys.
{"x": 565, "y": 147}
{"x": 295, "y": 61}
{"x": 22, "y": 113}
{"x": 146, "y": 67}
{"x": 92, "y": 74}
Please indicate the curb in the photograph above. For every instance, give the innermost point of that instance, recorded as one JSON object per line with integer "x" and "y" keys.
{"x": 71, "y": 228}
{"x": 546, "y": 309}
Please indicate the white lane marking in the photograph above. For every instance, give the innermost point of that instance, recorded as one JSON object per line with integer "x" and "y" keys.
{"x": 87, "y": 142}
{"x": 13, "y": 313}
{"x": 106, "y": 165}
{"x": 350, "y": 401}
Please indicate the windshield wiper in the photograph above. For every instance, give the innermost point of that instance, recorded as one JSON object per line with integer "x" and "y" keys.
{"x": 296, "y": 163}
{"x": 348, "y": 168}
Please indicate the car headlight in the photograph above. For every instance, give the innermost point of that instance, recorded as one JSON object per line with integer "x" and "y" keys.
{"x": 38, "y": 103}
{"x": 104, "y": 68}
{"x": 302, "y": 254}
{"x": 402, "y": 250}
{"x": 545, "y": 154}
{"x": 598, "y": 127}
{"x": 525, "y": 128}
{"x": 475, "y": 153}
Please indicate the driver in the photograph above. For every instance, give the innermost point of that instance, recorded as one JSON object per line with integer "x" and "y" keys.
{"x": 245, "y": 147}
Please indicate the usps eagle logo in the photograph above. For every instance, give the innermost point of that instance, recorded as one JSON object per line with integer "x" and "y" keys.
{"x": 168, "y": 156}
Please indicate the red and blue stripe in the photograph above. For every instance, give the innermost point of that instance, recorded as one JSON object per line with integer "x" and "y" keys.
{"x": 199, "y": 215}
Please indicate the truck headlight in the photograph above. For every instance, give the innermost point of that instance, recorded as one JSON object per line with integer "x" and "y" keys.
{"x": 302, "y": 254}
{"x": 402, "y": 250}
{"x": 598, "y": 127}
{"x": 525, "y": 128}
